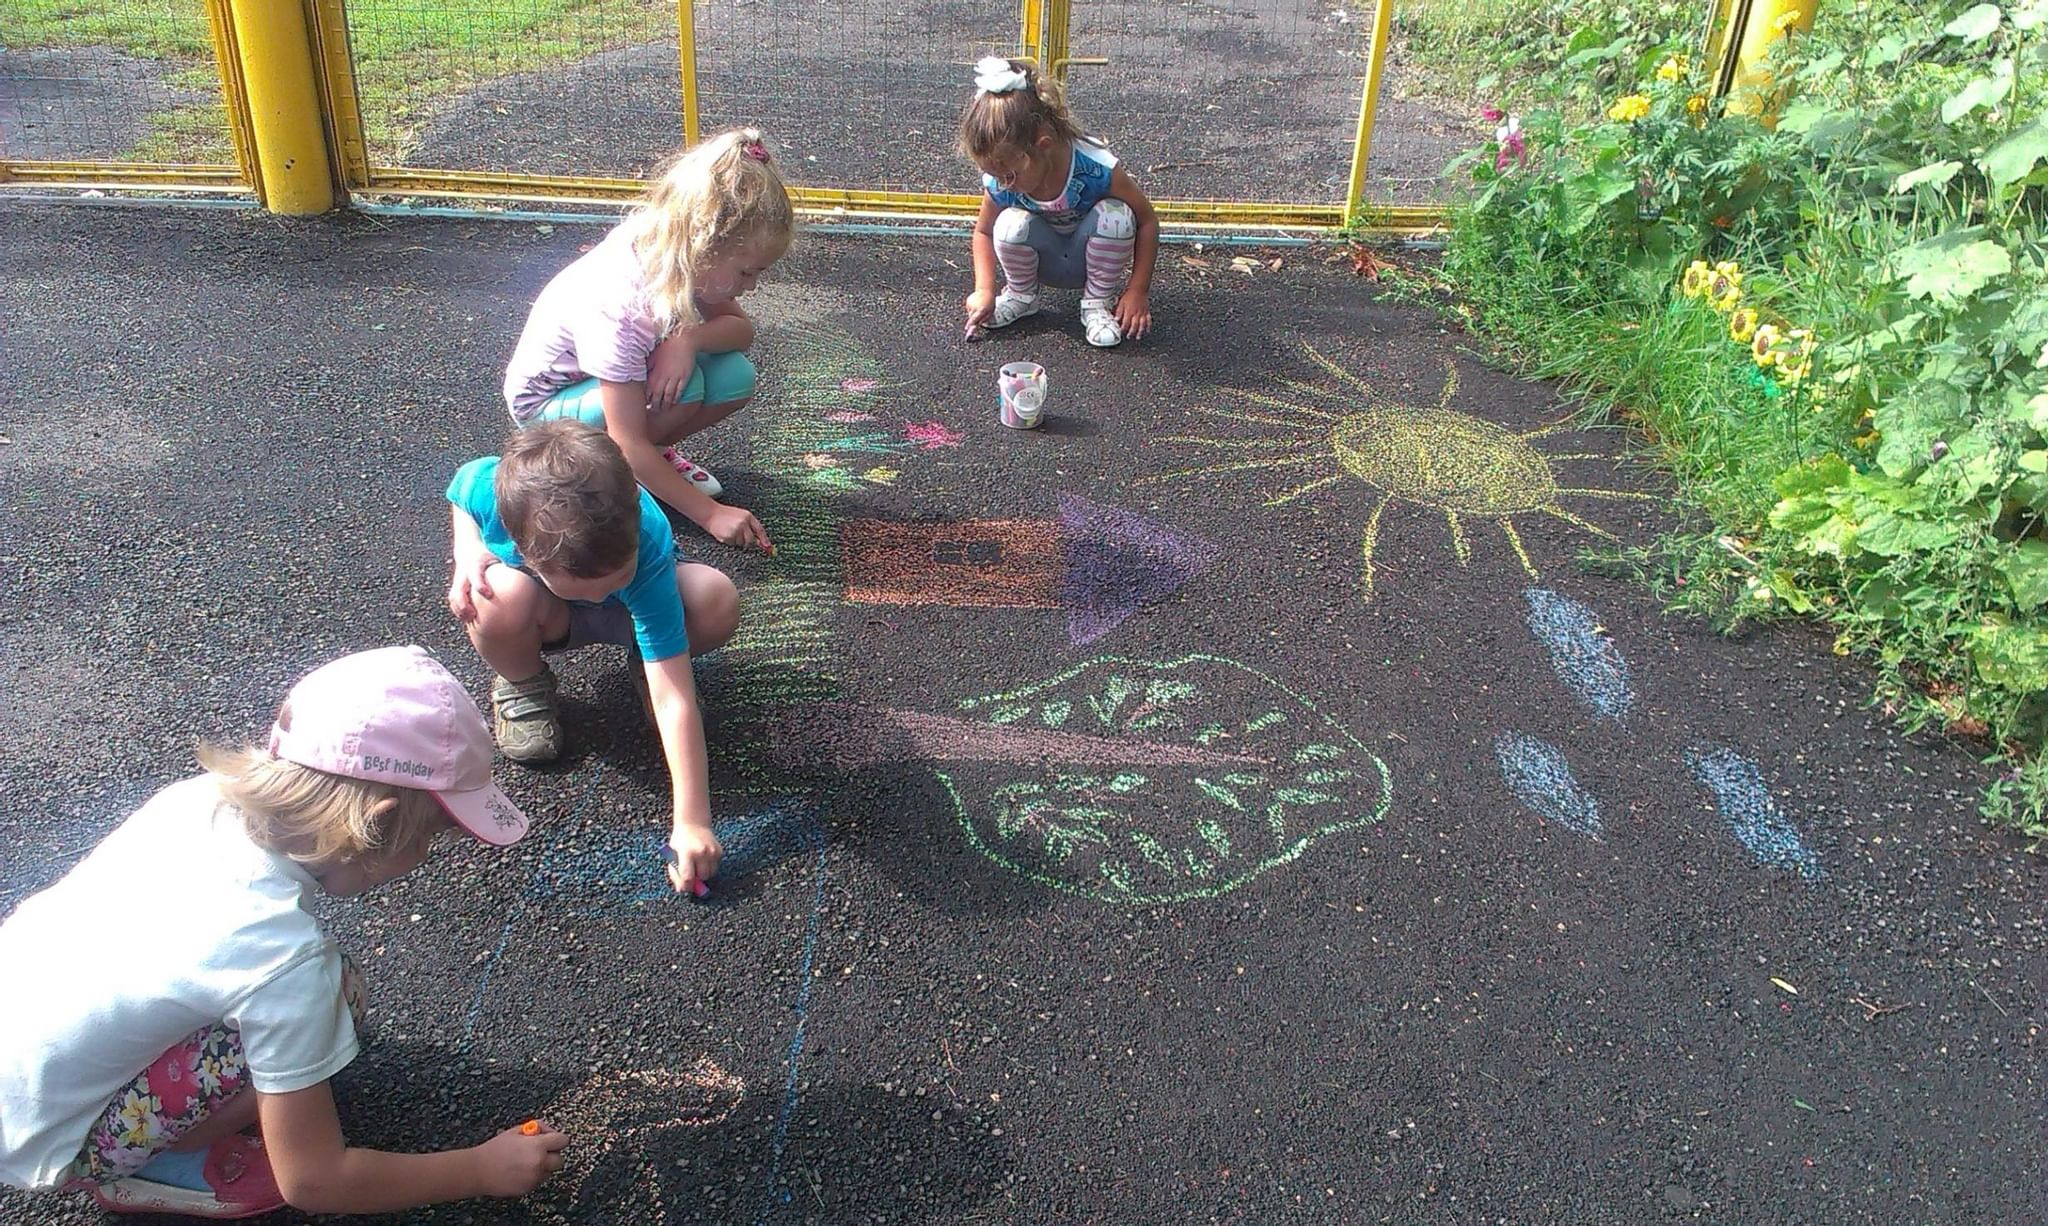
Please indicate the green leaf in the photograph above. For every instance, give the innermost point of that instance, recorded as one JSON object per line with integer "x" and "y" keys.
{"x": 1981, "y": 91}
{"x": 1887, "y": 50}
{"x": 2012, "y": 656}
{"x": 2026, "y": 573}
{"x": 1825, "y": 473}
{"x": 1951, "y": 267}
{"x": 2015, "y": 157}
{"x": 1891, "y": 536}
{"x": 1934, "y": 174}
{"x": 1782, "y": 585}
{"x": 1976, "y": 25}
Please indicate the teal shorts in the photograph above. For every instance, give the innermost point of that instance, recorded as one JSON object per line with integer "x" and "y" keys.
{"x": 720, "y": 378}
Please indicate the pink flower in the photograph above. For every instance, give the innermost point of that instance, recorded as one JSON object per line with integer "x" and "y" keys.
{"x": 1492, "y": 114}
{"x": 932, "y": 435}
{"x": 170, "y": 1079}
{"x": 1512, "y": 145}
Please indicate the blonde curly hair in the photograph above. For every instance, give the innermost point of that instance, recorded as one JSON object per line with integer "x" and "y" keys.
{"x": 724, "y": 192}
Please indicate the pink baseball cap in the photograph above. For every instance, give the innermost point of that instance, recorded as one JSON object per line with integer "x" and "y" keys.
{"x": 394, "y": 715}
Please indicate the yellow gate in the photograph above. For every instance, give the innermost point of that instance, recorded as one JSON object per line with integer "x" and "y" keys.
{"x": 1256, "y": 116}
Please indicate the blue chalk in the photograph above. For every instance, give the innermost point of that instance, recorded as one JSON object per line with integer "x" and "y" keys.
{"x": 1580, "y": 655}
{"x": 1746, "y": 805}
{"x": 1537, "y": 773}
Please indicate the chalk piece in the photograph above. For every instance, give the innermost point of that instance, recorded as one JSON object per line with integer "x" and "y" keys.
{"x": 530, "y": 1128}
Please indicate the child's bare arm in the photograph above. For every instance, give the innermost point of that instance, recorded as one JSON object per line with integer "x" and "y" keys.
{"x": 981, "y": 303}
{"x": 1134, "y": 309}
{"x": 625, "y": 419}
{"x": 673, "y": 690}
{"x": 319, "y": 1172}
{"x": 472, "y": 563}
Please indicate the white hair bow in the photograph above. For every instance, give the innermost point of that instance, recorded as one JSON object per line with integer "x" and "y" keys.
{"x": 993, "y": 75}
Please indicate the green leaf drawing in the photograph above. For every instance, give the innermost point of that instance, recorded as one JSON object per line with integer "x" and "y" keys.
{"x": 1163, "y": 805}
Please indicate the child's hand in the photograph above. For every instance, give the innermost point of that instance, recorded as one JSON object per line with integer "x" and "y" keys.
{"x": 737, "y": 526}
{"x": 1134, "y": 313}
{"x": 669, "y": 373}
{"x": 469, "y": 581}
{"x": 697, "y": 855}
{"x": 980, "y": 305}
{"x": 514, "y": 1163}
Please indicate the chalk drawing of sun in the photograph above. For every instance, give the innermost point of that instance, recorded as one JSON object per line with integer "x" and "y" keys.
{"x": 1434, "y": 457}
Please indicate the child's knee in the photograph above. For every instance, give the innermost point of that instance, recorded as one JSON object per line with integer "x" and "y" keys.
{"x": 712, "y": 602}
{"x": 512, "y": 606}
{"x": 728, "y": 378}
{"x": 1114, "y": 219}
{"x": 1012, "y": 226}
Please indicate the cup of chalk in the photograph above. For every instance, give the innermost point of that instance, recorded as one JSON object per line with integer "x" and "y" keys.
{"x": 1020, "y": 394}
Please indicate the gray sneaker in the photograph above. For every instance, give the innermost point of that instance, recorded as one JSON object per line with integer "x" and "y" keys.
{"x": 525, "y": 719}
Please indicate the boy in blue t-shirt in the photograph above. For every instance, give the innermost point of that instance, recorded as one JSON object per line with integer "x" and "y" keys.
{"x": 557, "y": 547}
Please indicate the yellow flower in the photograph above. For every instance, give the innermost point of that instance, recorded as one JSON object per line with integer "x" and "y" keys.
{"x": 1630, "y": 108}
{"x": 1763, "y": 344}
{"x": 1696, "y": 105}
{"x": 1786, "y": 20}
{"x": 1696, "y": 276}
{"x": 1673, "y": 68}
{"x": 1742, "y": 325}
{"x": 1729, "y": 269}
{"x": 1724, "y": 286}
{"x": 1791, "y": 370}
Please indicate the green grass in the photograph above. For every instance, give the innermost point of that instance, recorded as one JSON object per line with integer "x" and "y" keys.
{"x": 409, "y": 58}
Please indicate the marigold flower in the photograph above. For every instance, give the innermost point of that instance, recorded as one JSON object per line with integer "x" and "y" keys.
{"x": 1671, "y": 69}
{"x": 1785, "y": 21}
{"x": 1696, "y": 105}
{"x": 1629, "y": 108}
{"x": 1763, "y": 344}
{"x": 1742, "y": 325}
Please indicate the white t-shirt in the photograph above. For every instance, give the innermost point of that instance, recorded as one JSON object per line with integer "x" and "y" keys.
{"x": 175, "y": 922}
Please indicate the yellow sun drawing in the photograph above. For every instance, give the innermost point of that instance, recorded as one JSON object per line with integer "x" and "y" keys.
{"x": 1430, "y": 457}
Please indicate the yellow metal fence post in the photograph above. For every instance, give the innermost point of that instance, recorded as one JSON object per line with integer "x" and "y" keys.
{"x": 1752, "y": 28}
{"x": 1368, "y": 104}
{"x": 686, "y": 36}
{"x": 280, "y": 88}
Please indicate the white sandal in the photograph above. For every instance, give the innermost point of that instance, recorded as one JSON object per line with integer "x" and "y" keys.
{"x": 1104, "y": 332}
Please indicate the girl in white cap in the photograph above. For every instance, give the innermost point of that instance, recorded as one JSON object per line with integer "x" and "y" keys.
{"x": 137, "y": 1080}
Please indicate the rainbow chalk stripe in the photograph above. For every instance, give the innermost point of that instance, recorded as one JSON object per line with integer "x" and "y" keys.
{"x": 1020, "y": 393}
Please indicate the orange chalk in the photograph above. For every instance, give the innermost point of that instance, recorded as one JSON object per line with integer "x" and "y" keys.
{"x": 530, "y": 1128}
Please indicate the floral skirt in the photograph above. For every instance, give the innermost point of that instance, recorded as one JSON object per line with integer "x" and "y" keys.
{"x": 195, "y": 1078}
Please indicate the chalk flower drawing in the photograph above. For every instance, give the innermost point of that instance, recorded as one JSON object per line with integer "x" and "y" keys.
{"x": 1433, "y": 457}
{"x": 1219, "y": 774}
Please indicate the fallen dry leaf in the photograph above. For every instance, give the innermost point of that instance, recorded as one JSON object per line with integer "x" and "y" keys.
{"x": 1367, "y": 263}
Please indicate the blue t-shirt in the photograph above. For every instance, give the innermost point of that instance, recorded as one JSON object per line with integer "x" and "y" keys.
{"x": 1087, "y": 185}
{"x": 650, "y": 596}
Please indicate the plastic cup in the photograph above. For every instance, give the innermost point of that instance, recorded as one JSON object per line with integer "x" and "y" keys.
{"x": 1020, "y": 394}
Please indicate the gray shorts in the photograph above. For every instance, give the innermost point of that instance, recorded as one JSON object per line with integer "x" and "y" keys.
{"x": 609, "y": 621}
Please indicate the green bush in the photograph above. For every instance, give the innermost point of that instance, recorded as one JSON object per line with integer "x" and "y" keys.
{"x": 1835, "y": 331}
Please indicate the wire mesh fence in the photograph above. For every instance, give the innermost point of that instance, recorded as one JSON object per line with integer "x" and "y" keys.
{"x": 110, "y": 81}
{"x": 550, "y": 87}
{"x": 858, "y": 93}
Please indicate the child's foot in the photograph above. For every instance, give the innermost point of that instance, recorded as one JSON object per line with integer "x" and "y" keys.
{"x": 525, "y": 719}
{"x": 231, "y": 1179}
{"x": 1009, "y": 308}
{"x": 699, "y": 477}
{"x": 1104, "y": 332}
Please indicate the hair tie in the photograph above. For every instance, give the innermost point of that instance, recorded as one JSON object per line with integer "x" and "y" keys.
{"x": 994, "y": 75}
{"x": 754, "y": 150}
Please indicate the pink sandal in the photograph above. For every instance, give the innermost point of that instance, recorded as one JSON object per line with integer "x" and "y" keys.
{"x": 699, "y": 477}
